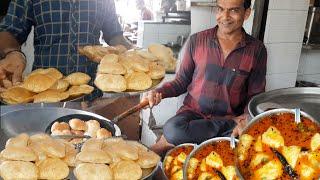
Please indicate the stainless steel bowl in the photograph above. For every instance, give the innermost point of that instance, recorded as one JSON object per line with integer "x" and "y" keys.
{"x": 276, "y": 111}
{"x": 306, "y": 98}
{"x": 199, "y": 147}
{"x": 259, "y": 117}
{"x": 151, "y": 175}
{"x": 172, "y": 150}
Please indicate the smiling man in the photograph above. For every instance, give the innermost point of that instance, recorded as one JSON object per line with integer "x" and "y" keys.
{"x": 221, "y": 70}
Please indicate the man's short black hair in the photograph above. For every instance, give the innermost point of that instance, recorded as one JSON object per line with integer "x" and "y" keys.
{"x": 246, "y": 4}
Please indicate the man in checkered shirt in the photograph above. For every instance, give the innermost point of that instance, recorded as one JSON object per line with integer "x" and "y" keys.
{"x": 60, "y": 26}
{"x": 221, "y": 70}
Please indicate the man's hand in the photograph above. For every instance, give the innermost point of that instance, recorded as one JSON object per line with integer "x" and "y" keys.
{"x": 11, "y": 68}
{"x": 153, "y": 97}
{"x": 120, "y": 40}
{"x": 241, "y": 121}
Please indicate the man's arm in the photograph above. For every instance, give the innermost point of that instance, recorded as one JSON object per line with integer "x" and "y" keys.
{"x": 184, "y": 75}
{"x": 119, "y": 39}
{"x": 14, "y": 30}
{"x": 180, "y": 84}
{"x": 13, "y": 61}
{"x": 8, "y": 42}
{"x": 112, "y": 31}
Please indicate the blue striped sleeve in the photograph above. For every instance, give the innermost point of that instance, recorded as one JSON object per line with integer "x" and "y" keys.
{"x": 19, "y": 19}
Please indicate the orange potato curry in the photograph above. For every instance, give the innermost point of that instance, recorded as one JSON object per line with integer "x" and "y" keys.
{"x": 276, "y": 141}
{"x": 211, "y": 160}
{"x": 173, "y": 162}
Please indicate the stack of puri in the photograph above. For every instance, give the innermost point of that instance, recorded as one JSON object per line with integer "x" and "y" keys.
{"x": 97, "y": 52}
{"x": 131, "y": 71}
{"x": 48, "y": 85}
{"x": 114, "y": 158}
{"x": 79, "y": 127}
{"x": 36, "y": 157}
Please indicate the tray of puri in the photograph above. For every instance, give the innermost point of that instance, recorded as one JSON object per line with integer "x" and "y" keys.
{"x": 130, "y": 72}
{"x": 48, "y": 86}
{"x": 280, "y": 144}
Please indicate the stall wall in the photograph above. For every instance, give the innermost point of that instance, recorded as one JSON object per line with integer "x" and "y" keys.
{"x": 156, "y": 32}
{"x": 309, "y": 67}
{"x": 283, "y": 38}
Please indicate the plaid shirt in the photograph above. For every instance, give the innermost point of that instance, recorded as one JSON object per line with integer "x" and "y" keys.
{"x": 60, "y": 27}
{"x": 215, "y": 88}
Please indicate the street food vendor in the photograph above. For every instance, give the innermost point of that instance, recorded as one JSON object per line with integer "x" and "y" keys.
{"x": 222, "y": 69}
{"x": 145, "y": 13}
{"x": 59, "y": 28}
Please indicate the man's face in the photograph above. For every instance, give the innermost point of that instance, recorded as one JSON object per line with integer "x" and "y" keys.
{"x": 230, "y": 15}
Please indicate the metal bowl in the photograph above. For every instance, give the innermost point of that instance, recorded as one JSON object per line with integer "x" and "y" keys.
{"x": 306, "y": 98}
{"x": 199, "y": 147}
{"x": 266, "y": 114}
{"x": 259, "y": 117}
{"x": 150, "y": 175}
{"x": 172, "y": 150}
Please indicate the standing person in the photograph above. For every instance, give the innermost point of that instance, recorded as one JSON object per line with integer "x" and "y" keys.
{"x": 168, "y": 6}
{"x": 145, "y": 13}
{"x": 60, "y": 27}
{"x": 222, "y": 69}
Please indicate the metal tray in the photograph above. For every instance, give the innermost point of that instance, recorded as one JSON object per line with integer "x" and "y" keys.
{"x": 35, "y": 120}
{"x": 305, "y": 98}
{"x": 155, "y": 83}
{"x": 75, "y": 99}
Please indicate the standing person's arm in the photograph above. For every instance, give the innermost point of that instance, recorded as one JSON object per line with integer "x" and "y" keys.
{"x": 14, "y": 30}
{"x": 120, "y": 40}
{"x": 112, "y": 31}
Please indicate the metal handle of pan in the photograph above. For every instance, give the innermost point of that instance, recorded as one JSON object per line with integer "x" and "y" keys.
{"x": 130, "y": 111}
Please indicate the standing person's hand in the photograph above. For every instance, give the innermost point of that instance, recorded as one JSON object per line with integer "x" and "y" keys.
{"x": 153, "y": 97}
{"x": 241, "y": 121}
{"x": 12, "y": 67}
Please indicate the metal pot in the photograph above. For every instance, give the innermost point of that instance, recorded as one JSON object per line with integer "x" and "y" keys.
{"x": 276, "y": 111}
{"x": 268, "y": 113}
{"x": 305, "y": 98}
{"x": 199, "y": 147}
{"x": 172, "y": 150}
